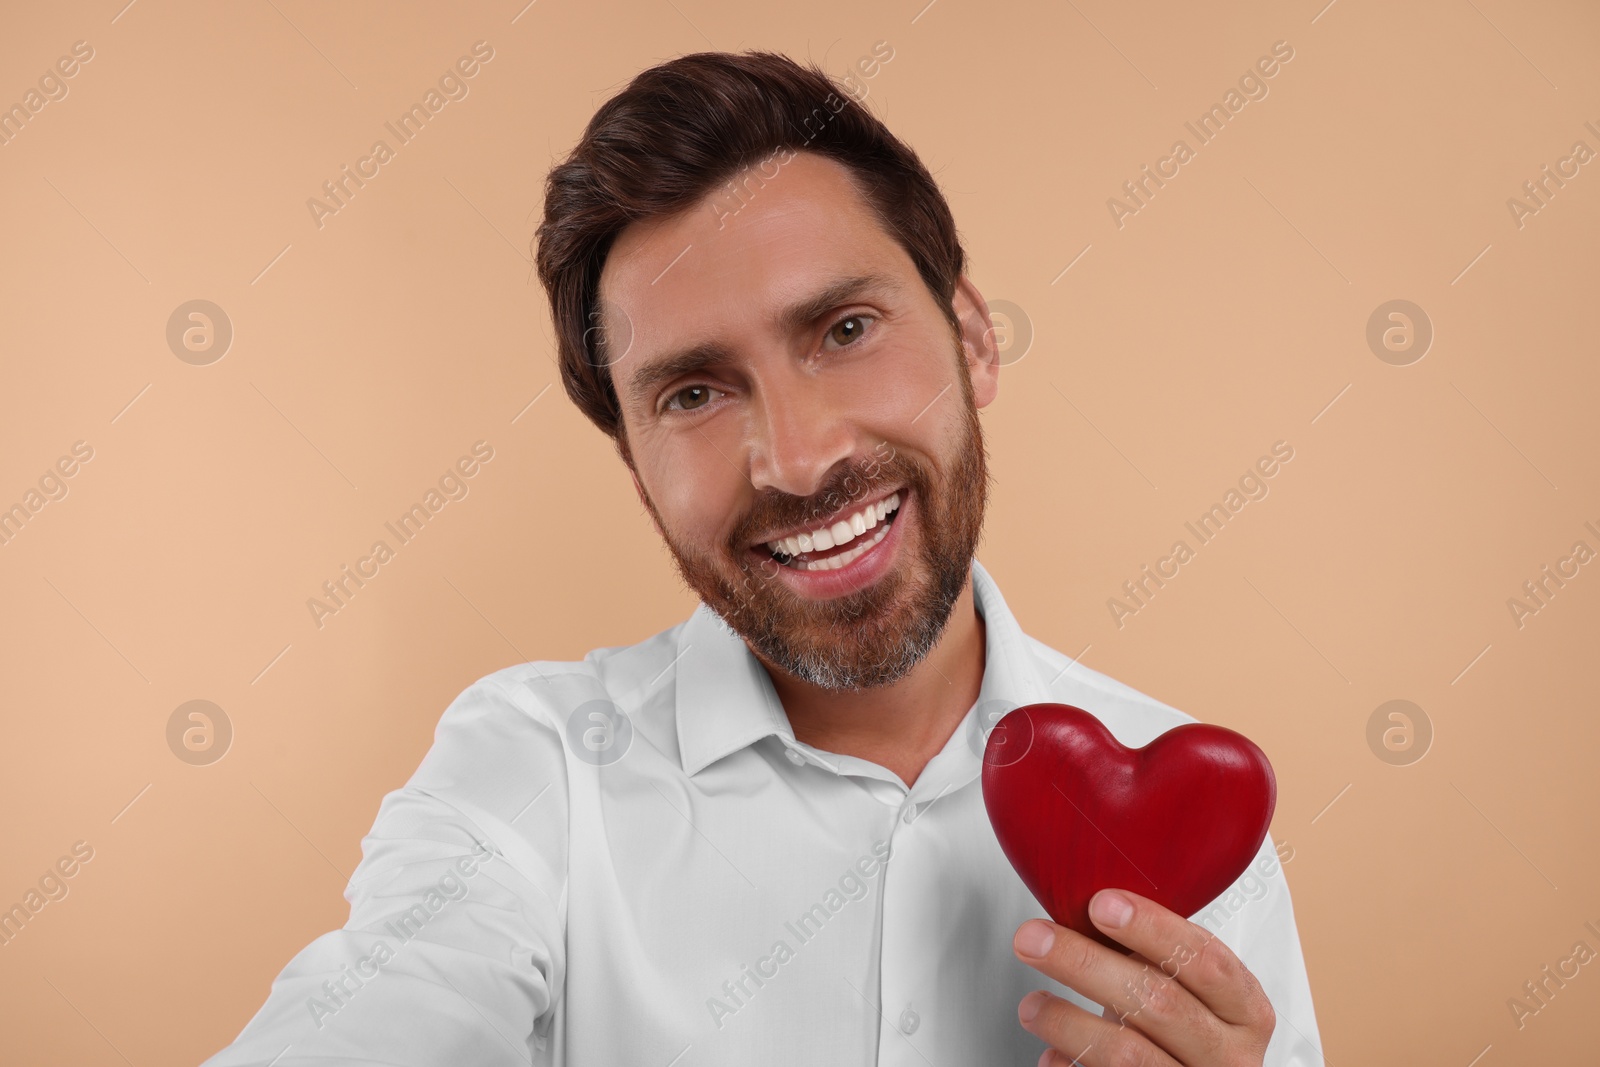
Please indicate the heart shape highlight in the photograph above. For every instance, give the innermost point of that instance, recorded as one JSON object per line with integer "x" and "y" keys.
{"x": 1076, "y": 811}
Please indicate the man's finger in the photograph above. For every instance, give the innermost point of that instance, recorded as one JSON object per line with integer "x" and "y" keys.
{"x": 1080, "y": 1037}
{"x": 1141, "y": 997}
{"x": 1186, "y": 952}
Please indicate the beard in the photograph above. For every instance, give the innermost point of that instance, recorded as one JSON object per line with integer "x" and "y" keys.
{"x": 872, "y": 636}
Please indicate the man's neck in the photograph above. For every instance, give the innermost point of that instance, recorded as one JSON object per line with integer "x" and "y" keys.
{"x": 904, "y": 725}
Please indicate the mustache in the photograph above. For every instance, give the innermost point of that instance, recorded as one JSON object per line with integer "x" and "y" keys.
{"x": 774, "y": 510}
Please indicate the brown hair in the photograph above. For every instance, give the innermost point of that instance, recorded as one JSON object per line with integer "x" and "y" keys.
{"x": 679, "y": 130}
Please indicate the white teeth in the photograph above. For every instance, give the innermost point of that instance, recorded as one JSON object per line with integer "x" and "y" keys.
{"x": 833, "y": 563}
{"x": 840, "y": 533}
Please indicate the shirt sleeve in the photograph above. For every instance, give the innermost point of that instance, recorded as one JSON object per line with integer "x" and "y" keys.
{"x": 454, "y": 951}
{"x": 1255, "y": 918}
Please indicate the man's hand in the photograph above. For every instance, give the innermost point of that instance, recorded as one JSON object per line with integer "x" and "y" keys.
{"x": 1183, "y": 997}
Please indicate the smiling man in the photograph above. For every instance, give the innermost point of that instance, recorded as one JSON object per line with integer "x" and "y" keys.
{"x": 759, "y": 836}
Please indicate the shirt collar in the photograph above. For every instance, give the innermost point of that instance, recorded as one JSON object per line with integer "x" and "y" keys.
{"x": 725, "y": 700}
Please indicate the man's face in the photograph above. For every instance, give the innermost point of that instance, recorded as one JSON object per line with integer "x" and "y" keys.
{"x": 787, "y": 371}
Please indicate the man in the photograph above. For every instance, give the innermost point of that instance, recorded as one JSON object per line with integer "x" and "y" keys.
{"x": 759, "y": 836}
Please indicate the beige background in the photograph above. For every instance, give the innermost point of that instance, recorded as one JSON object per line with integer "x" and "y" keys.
{"x": 368, "y": 354}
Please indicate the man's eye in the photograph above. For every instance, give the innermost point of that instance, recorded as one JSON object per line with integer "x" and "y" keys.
{"x": 689, "y": 398}
{"x": 848, "y": 330}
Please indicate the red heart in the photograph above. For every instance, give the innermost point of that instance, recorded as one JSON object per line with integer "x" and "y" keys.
{"x": 1077, "y": 812}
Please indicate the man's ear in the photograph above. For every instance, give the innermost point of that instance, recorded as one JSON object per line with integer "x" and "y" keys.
{"x": 978, "y": 345}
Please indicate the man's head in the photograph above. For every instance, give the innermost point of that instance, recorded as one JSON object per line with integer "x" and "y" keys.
{"x": 758, "y": 294}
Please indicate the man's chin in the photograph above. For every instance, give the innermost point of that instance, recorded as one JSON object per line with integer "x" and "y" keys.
{"x": 858, "y": 641}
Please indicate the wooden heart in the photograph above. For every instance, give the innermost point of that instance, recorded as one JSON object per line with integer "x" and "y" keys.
{"x": 1075, "y": 811}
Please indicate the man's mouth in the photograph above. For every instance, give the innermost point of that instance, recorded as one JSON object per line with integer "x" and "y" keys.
{"x": 840, "y": 542}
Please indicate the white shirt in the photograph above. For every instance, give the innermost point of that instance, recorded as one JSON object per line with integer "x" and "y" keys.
{"x": 631, "y": 860}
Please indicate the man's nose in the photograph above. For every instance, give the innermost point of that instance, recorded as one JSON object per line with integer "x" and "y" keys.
{"x": 801, "y": 433}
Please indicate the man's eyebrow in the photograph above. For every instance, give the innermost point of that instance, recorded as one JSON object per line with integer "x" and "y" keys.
{"x": 657, "y": 372}
{"x": 806, "y": 311}
{"x": 797, "y": 315}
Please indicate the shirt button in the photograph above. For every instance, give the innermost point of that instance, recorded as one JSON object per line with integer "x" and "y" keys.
{"x": 910, "y": 815}
{"x": 909, "y": 1021}
{"x": 795, "y": 757}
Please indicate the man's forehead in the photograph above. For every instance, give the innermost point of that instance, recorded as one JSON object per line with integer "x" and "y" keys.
{"x": 760, "y": 229}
